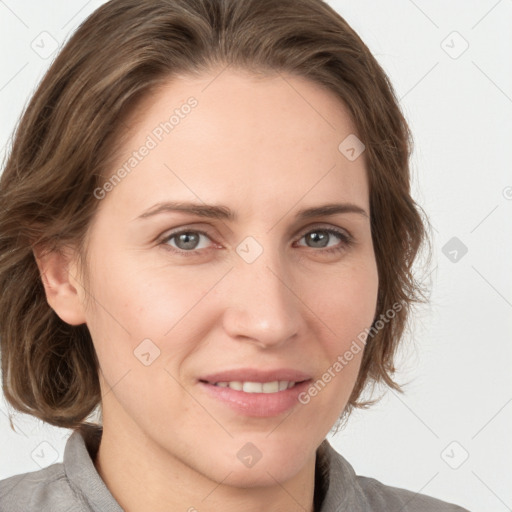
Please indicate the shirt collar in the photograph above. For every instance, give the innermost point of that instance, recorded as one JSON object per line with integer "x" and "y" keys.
{"x": 79, "y": 453}
{"x": 335, "y": 479}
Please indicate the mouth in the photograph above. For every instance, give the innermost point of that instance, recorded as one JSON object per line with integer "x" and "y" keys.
{"x": 260, "y": 395}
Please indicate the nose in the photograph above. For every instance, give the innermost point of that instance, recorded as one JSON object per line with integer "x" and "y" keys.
{"x": 262, "y": 306}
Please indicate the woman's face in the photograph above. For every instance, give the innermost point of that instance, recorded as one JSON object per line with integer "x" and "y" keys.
{"x": 263, "y": 294}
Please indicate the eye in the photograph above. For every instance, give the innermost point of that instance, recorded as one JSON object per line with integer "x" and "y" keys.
{"x": 319, "y": 237}
{"x": 186, "y": 241}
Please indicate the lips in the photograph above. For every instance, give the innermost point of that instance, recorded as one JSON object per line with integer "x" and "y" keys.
{"x": 252, "y": 392}
{"x": 255, "y": 403}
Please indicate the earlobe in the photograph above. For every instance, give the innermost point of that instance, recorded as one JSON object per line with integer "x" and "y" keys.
{"x": 59, "y": 278}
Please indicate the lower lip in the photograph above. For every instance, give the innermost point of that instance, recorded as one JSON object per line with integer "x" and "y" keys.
{"x": 257, "y": 404}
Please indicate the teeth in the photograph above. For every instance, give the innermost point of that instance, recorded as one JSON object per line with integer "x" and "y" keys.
{"x": 257, "y": 387}
{"x": 270, "y": 387}
{"x": 283, "y": 384}
{"x": 253, "y": 387}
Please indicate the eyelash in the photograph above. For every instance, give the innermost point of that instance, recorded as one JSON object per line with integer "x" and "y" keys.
{"x": 347, "y": 241}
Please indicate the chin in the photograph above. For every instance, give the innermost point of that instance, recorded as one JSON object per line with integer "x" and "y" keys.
{"x": 260, "y": 475}
{"x": 261, "y": 462}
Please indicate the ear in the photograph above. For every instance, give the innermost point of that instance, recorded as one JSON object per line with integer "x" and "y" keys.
{"x": 63, "y": 291}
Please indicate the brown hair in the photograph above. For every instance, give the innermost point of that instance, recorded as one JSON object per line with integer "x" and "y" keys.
{"x": 64, "y": 142}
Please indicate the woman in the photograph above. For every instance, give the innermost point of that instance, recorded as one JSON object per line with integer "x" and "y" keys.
{"x": 207, "y": 232}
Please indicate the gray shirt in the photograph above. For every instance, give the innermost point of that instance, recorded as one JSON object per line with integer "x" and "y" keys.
{"x": 74, "y": 485}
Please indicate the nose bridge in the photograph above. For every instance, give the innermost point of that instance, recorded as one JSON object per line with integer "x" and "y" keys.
{"x": 262, "y": 305}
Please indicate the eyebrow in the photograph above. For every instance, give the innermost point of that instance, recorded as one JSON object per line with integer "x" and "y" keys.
{"x": 222, "y": 212}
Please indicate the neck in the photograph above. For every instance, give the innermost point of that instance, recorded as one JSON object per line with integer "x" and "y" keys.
{"x": 142, "y": 476}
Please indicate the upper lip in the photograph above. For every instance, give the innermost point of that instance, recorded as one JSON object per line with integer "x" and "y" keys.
{"x": 255, "y": 375}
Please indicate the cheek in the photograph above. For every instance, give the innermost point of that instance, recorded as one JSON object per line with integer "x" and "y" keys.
{"x": 136, "y": 302}
{"x": 137, "y": 298}
{"x": 344, "y": 307}
{"x": 346, "y": 301}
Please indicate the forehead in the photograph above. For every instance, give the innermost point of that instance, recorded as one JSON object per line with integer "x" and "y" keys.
{"x": 232, "y": 137}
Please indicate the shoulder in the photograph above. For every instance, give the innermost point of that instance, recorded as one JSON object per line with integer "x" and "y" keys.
{"x": 45, "y": 490}
{"x": 384, "y": 497}
{"x": 345, "y": 490}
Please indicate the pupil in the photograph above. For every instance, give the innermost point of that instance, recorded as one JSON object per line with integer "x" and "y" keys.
{"x": 321, "y": 236}
{"x": 186, "y": 237}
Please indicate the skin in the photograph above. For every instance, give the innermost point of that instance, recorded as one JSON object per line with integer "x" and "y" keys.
{"x": 265, "y": 147}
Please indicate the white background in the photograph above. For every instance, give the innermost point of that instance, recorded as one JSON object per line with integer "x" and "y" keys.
{"x": 457, "y": 358}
